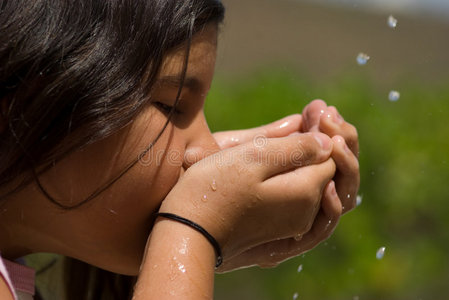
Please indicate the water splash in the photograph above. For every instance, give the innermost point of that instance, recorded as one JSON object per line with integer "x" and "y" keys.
{"x": 299, "y": 268}
{"x": 394, "y": 96}
{"x": 392, "y": 22}
{"x": 362, "y": 59}
{"x": 380, "y": 253}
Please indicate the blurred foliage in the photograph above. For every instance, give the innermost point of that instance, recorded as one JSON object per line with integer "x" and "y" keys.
{"x": 404, "y": 157}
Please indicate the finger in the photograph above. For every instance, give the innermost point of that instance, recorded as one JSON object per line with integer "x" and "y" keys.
{"x": 347, "y": 178}
{"x": 279, "y": 155}
{"x": 326, "y": 220}
{"x": 311, "y": 115}
{"x": 272, "y": 253}
{"x": 306, "y": 182}
{"x": 332, "y": 124}
{"x": 279, "y": 128}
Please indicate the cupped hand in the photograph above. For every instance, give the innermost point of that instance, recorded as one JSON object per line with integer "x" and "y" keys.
{"x": 261, "y": 194}
{"x": 318, "y": 117}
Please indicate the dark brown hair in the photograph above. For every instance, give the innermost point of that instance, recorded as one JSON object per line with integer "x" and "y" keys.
{"x": 73, "y": 72}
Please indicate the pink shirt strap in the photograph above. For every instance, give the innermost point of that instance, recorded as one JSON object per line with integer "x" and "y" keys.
{"x": 22, "y": 277}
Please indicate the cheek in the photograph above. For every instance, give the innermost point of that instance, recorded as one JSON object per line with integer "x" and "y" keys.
{"x": 123, "y": 215}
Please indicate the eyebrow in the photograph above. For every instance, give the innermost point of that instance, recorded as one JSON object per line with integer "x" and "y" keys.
{"x": 190, "y": 82}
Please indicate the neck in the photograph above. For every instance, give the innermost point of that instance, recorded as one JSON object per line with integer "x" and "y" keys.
{"x": 21, "y": 216}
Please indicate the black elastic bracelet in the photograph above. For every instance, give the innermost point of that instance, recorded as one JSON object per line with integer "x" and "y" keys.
{"x": 198, "y": 228}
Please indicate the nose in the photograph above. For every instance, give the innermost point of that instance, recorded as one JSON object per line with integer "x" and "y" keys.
{"x": 200, "y": 142}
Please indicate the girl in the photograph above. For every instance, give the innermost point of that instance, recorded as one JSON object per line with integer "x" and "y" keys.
{"x": 106, "y": 156}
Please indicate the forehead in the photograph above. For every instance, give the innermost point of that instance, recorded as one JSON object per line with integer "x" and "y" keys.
{"x": 201, "y": 56}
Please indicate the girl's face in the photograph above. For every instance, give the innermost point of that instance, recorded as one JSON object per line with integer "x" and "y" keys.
{"x": 111, "y": 230}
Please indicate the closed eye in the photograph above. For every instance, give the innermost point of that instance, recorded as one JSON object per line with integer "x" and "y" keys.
{"x": 165, "y": 108}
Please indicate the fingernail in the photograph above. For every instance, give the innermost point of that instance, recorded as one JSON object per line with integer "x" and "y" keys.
{"x": 324, "y": 141}
{"x": 334, "y": 117}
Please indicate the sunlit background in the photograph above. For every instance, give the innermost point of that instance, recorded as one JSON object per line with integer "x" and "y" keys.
{"x": 276, "y": 56}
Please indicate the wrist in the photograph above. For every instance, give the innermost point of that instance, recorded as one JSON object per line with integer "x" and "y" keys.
{"x": 179, "y": 262}
{"x": 198, "y": 228}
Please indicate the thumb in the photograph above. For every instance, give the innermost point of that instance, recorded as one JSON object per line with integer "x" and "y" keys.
{"x": 279, "y": 128}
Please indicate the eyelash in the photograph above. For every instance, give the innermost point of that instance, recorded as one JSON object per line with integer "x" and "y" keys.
{"x": 166, "y": 108}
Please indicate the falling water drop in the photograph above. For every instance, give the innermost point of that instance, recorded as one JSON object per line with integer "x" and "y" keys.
{"x": 392, "y": 21}
{"x": 213, "y": 185}
{"x": 380, "y": 253}
{"x": 299, "y": 268}
{"x": 362, "y": 59}
{"x": 394, "y": 96}
{"x": 359, "y": 199}
{"x": 295, "y": 296}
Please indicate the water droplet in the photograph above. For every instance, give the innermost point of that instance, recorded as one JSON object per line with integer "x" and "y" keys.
{"x": 359, "y": 199}
{"x": 204, "y": 198}
{"x": 285, "y": 124}
{"x": 348, "y": 196}
{"x": 394, "y": 96}
{"x": 113, "y": 211}
{"x": 299, "y": 268}
{"x": 380, "y": 253}
{"x": 295, "y": 296}
{"x": 362, "y": 59}
{"x": 181, "y": 268}
{"x": 272, "y": 254}
{"x": 213, "y": 185}
{"x": 392, "y": 21}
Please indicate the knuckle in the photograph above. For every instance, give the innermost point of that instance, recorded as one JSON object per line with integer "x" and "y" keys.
{"x": 302, "y": 152}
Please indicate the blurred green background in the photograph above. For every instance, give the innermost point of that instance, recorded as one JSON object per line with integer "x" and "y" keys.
{"x": 275, "y": 57}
